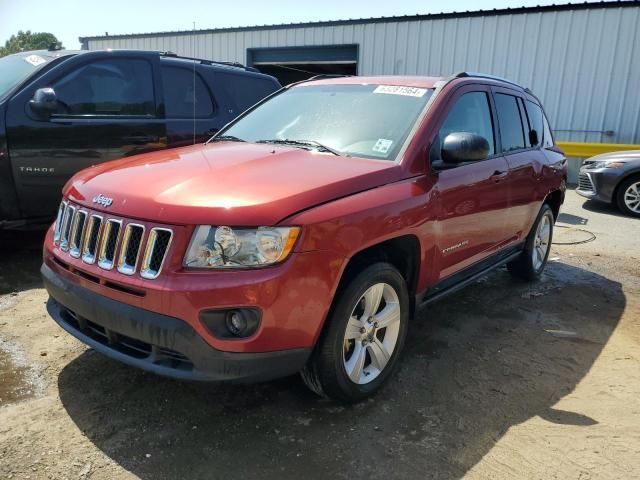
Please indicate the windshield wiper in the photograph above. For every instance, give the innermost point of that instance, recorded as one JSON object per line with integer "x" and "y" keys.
{"x": 302, "y": 144}
{"x": 226, "y": 138}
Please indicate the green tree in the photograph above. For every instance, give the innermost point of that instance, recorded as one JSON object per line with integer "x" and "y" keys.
{"x": 25, "y": 41}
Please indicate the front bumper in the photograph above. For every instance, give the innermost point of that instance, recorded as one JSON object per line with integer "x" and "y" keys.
{"x": 597, "y": 183}
{"x": 154, "y": 342}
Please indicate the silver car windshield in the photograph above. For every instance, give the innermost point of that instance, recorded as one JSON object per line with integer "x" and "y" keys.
{"x": 16, "y": 68}
{"x": 370, "y": 121}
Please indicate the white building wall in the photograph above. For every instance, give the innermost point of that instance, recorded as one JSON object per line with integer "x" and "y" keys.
{"x": 583, "y": 64}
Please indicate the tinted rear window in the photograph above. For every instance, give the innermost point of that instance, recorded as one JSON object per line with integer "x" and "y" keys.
{"x": 534, "y": 112}
{"x": 511, "y": 124}
{"x": 244, "y": 91}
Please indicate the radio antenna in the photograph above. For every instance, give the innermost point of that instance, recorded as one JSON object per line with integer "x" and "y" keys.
{"x": 193, "y": 54}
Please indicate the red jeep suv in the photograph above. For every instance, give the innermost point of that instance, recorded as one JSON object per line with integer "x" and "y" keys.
{"x": 306, "y": 233}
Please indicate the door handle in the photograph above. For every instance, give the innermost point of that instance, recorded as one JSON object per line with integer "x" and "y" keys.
{"x": 498, "y": 175}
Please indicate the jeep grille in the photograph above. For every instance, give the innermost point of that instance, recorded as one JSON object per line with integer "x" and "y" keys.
{"x": 111, "y": 241}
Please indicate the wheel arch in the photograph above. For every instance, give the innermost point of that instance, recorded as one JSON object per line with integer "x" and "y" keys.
{"x": 555, "y": 199}
{"x": 403, "y": 252}
{"x": 624, "y": 178}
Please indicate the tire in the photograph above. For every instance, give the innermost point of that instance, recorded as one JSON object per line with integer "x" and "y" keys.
{"x": 345, "y": 365}
{"x": 531, "y": 262}
{"x": 628, "y": 196}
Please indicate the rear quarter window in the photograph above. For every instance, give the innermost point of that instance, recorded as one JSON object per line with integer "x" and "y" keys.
{"x": 243, "y": 91}
{"x": 181, "y": 89}
{"x": 534, "y": 112}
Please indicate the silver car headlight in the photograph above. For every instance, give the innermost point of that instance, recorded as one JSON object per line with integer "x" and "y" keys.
{"x": 225, "y": 247}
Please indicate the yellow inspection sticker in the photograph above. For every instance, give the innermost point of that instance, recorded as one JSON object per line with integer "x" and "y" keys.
{"x": 397, "y": 90}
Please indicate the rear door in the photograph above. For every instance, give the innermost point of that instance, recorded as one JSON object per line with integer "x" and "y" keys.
{"x": 107, "y": 109}
{"x": 192, "y": 113}
{"x": 520, "y": 124}
{"x": 473, "y": 197}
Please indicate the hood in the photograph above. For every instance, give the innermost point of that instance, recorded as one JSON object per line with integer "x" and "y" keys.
{"x": 622, "y": 156}
{"x": 227, "y": 183}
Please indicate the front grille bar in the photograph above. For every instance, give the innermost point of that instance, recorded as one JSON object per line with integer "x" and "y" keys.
{"x": 90, "y": 244}
{"x": 109, "y": 243}
{"x": 156, "y": 252}
{"x": 130, "y": 248}
{"x": 67, "y": 223}
{"x": 77, "y": 234}
{"x": 58, "y": 228}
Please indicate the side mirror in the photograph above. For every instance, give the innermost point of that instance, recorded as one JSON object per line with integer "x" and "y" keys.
{"x": 44, "y": 102}
{"x": 460, "y": 147}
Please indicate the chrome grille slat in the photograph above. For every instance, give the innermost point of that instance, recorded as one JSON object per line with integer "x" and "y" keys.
{"x": 67, "y": 223}
{"x": 77, "y": 233}
{"x": 130, "y": 248}
{"x": 58, "y": 228}
{"x": 90, "y": 244}
{"x": 109, "y": 243}
{"x": 155, "y": 252}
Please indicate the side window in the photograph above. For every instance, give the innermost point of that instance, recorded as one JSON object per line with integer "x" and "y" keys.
{"x": 534, "y": 112}
{"x": 471, "y": 114}
{"x": 178, "y": 85}
{"x": 107, "y": 87}
{"x": 511, "y": 122}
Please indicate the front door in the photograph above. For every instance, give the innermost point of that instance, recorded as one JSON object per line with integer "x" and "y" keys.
{"x": 107, "y": 109}
{"x": 473, "y": 196}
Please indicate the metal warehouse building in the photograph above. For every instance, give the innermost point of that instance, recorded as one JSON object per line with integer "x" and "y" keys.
{"x": 582, "y": 60}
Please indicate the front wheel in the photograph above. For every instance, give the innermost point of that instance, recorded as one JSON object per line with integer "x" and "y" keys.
{"x": 363, "y": 336}
{"x": 530, "y": 264}
{"x": 628, "y": 196}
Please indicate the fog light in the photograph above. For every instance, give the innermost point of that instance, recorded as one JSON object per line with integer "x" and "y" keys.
{"x": 233, "y": 323}
{"x": 236, "y": 323}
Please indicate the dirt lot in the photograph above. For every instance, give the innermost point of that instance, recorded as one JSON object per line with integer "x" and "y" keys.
{"x": 501, "y": 380}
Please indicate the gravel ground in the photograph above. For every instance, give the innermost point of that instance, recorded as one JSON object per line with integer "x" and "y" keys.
{"x": 501, "y": 380}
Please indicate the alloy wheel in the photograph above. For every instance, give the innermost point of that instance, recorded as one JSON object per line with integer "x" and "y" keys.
{"x": 632, "y": 197}
{"x": 541, "y": 245}
{"x": 372, "y": 333}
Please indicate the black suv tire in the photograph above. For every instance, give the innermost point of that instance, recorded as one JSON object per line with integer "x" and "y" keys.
{"x": 326, "y": 372}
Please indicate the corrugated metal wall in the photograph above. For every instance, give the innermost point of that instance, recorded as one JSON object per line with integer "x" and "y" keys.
{"x": 584, "y": 64}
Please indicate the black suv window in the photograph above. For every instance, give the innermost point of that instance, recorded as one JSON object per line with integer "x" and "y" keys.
{"x": 471, "y": 114}
{"x": 178, "y": 85}
{"x": 107, "y": 87}
{"x": 511, "y": 122}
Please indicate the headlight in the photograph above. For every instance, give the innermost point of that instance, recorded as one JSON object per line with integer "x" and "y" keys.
{"x": 224, "y": 247}
{"x": 606, "y": 164}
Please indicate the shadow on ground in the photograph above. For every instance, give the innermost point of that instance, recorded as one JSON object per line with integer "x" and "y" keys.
{"x": 602, "y": 207}
{"x": 20, "y": 260}
{"x": 486, "y": 359}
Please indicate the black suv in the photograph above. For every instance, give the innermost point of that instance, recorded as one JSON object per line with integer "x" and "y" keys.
{"x": 62, "y": 111}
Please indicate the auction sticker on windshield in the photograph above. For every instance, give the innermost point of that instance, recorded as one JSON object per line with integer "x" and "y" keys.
{"x": 382, "y": 146}
{"x": 35, "y": 60}
{"x": 397, "y": 90}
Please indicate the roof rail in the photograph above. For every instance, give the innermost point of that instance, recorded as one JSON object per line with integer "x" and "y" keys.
{"x": 489, "y": 77}
{"x": 207, "y": 62}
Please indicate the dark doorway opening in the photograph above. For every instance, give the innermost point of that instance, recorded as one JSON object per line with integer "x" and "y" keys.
{"x": 296, "y": 72}
{"x": 293, "y": 64}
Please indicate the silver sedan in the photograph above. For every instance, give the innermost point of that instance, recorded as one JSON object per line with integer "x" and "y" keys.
{"x": 613, "y": 178}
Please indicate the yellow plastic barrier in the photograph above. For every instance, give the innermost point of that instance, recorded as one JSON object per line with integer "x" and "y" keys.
{"x": 586, "y": 150}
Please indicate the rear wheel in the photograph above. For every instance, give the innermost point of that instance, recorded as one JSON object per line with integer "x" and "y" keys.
{"x": 363, "y": 337}
{"x": 628, "y": 196}
{"x": 530, "y": 264}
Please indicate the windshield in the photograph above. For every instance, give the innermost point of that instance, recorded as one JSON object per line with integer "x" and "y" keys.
{"x": 370, "y": 121}
{"x": 15, "y": 68}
